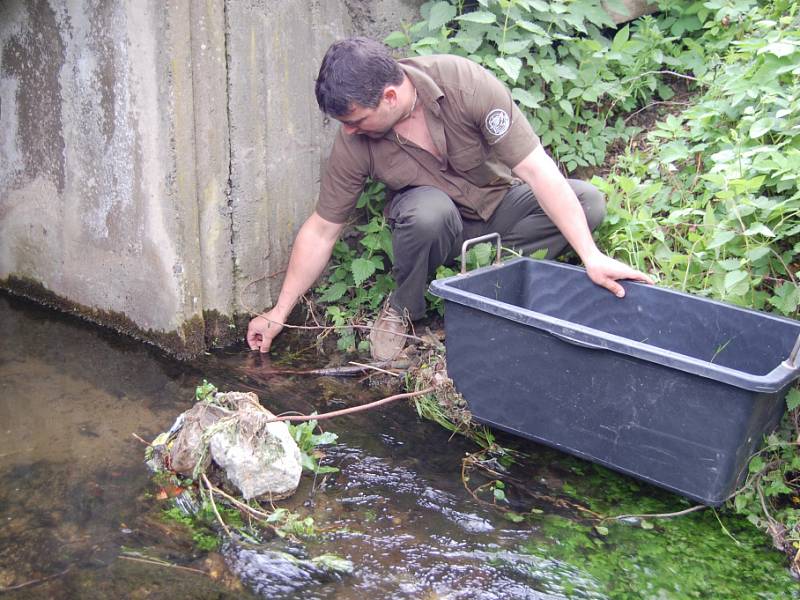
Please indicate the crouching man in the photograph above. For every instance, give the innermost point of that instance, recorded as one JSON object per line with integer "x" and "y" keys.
{"x": 460, "y": 160}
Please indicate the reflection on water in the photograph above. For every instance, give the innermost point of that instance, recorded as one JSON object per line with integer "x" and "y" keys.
{"x": 74, "y": 493}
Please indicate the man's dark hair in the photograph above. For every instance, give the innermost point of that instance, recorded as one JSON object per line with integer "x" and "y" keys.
{"x": 355, "y": 70}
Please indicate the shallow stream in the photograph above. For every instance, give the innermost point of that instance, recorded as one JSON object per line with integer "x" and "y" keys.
{"x": 77, "y": 505}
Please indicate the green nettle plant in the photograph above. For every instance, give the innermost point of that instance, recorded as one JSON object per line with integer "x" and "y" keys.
{"x": 714, "y": 209}
{"x": 360, "y": 278}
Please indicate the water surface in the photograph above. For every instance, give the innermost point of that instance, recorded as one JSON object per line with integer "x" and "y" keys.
{"x": 76, "y": 499}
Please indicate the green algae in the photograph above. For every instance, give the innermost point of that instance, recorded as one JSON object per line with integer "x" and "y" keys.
{"x": 707, "y": 554}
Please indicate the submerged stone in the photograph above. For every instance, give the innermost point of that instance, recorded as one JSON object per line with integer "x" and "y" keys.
{"x": 271, "y": 573}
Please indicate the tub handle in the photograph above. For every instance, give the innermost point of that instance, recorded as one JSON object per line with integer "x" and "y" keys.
{"x": 791, "y": 361}
{"x": 471, "y": 241}
{"x": 571, "y": 340}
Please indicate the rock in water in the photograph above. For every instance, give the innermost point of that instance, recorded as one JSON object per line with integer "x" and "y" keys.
{"x": 258, "y": 457}
{"x": 271, "y": 573}
{"x": 188, "y": 446}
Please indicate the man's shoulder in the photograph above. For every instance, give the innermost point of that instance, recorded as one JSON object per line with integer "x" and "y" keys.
{"x": 349, "y": 147}
{"x": 447, "y": 70}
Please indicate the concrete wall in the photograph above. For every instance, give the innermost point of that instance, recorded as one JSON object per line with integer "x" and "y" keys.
{"x": 157, "y": 158}
{"x": 97, "y": 181}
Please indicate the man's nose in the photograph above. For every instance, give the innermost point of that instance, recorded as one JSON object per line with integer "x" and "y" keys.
{"x": 350, "y": 129}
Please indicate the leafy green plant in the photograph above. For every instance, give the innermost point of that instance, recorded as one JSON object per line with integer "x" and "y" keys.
{"x": 715, "y": 209}
{"x": 770, "y": 497}
{"x": 203, "y": 536}
{"x": 359, "y": 280}
{"x": 309, "y": 443}
{"x": 289, "y": 523}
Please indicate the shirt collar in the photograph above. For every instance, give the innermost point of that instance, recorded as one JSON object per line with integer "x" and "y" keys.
{"x": 428, "y": 90}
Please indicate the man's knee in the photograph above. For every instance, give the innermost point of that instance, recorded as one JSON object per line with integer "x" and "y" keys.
{"x": 592, "y": 200}
{"x": 426, "y": 211}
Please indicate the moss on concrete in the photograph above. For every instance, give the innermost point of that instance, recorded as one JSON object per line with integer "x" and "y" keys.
{"x": 184, "y": 343}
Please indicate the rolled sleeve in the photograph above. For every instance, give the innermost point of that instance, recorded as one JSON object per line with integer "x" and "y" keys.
{"x": 343, "y": 178}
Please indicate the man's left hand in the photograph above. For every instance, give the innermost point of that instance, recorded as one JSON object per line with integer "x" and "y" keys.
{"x": 605, "y": 271}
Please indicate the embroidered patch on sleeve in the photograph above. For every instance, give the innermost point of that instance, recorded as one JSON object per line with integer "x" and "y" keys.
{"x": 497, "y": 121}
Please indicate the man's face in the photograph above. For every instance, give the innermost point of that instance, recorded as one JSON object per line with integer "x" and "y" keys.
{"x": 372, "y": 122}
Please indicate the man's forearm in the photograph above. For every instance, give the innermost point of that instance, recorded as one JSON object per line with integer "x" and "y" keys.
{"x": 558, "y": 201}
{"x": 312, "y": 250}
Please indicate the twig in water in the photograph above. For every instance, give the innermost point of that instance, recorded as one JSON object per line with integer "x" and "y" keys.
{"x": 343, "y": 371}
{"x": 245, "y": 507}
{"x": 214, "y": 505}
{"x": 560, "y": 502}
{"x": 374, "y": 368}
{"x": 161, "y": 563}
{"x": 353, "y": 409}
{"x": 658, "y": 516}
{"x": 725, "y": 529}
{"x": 33, "y": 582}
{"x": 145, "y": 442}
{"x": 336, "y": 327}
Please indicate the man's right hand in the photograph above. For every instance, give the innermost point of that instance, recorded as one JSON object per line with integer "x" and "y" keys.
{"x": 312, "y": 249}
{"x": 262, "y": 330}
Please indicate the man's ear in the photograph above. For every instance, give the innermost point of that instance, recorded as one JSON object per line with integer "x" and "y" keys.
{"x": 390, "y": 95}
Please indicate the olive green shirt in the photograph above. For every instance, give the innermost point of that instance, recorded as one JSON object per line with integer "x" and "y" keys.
{"x": 474, "y": 124}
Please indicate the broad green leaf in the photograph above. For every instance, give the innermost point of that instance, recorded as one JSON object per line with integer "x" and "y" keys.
{"x": 674, "y": 151}
{"x": 334, "y": 292}
{"x": 514, "y": 46}
{"x": 441, "y": 13}
{"x": 526, "y": 98}
{"x": 756, "y": 464}
{"x": 482, "y": 254}
{"x": 730, "y": 264}
{"x": 721, "y": 237}
{"x": 779, "y": 49}
{"x": 566, "y": 106}
{"x": 622, "y": 37}
{"x": 511, "y": 65}
{"x": 396, "y": 39}
{"x": 531, "y": 27}
{"x": 323, "y": 439}
{"x": 762, "y": 126}
{"x": 362, "y": 270}
{"x": 759, "y": 229}
{"x": 468, "y": 43}
{"x": 757, "y": 253}
{"x": 733, "y": 278}
{"x": 426, "y": 41}
{"x": 480, "y": 16}
{"x": 793, "y": 399}
{"x": 565, "y": 72}
{"x": 786, "y": 298}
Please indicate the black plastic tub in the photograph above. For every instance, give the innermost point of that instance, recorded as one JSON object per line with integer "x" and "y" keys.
{"x": 674, "y": 389}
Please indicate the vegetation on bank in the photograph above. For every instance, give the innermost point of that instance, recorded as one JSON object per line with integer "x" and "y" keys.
{"x": 704, "y": 197}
